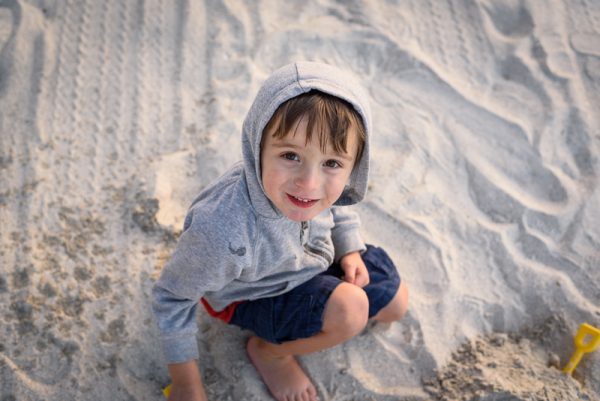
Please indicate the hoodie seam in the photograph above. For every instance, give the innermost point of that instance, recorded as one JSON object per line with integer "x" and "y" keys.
{"x": 298, "y": 76}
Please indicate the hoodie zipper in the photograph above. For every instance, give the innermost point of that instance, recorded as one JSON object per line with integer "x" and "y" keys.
{"x": 303, "y": 228}
{"x": 307, "y": 248}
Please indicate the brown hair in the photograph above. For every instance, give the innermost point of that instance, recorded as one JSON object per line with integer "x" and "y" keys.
{"x": 331, "y": 116}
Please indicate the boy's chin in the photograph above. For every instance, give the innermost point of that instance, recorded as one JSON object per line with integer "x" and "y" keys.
{"x": 299, "y": 217}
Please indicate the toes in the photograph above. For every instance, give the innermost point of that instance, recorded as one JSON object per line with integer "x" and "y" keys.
{"x": 312, "y": 393}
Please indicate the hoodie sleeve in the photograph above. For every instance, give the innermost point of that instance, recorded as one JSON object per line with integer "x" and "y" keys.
{"x": 199, "y": 264}
{"x": 346, "y": 232}
{"x": 176, "y": 319}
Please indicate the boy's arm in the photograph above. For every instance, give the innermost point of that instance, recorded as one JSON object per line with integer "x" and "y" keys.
{"x": 176, "y": 319}
{"x": 346, "y": 232}
{"x": 202, "y": 262}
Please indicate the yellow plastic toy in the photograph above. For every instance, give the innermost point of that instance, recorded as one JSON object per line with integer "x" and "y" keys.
{"x": 587, "y": 340}
{"x": 167, "y": 391}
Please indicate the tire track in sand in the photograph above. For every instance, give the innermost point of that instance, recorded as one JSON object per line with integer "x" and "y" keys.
{"x": 160, "y": 55}
{"x": 67, "y": 94}
{"x": 24, "y": 367}
{"x": 19, "y": 99}
{"x": 117, "y": 28}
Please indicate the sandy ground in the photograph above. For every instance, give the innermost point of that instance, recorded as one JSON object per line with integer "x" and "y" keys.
{"x": 484, "y": 187}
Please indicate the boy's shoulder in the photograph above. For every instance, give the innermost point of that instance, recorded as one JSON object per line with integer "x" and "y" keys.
{"x": 223, "y": 207}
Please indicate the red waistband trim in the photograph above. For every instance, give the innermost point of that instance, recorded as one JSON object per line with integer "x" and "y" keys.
{"x": 225, "y": 315}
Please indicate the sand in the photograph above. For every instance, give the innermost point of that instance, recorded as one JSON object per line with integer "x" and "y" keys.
{"x": 511, "y": 367}
{"x": 484, "y": 188}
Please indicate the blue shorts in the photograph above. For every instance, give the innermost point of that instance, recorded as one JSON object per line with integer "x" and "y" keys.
{"x": 299, "y": 312}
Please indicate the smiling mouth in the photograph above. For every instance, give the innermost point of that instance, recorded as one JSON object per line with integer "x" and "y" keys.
{"x": 302, "y": 202}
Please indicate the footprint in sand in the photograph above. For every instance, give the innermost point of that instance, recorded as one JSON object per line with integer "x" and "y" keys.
{"x": 6, "y": 29}
{"x": 588, "y": 44}
{"x": 511, "y": 19}
{"x": 23, "y": 378}
{"x": 397, "y": 345}
{"x": 6, "y": 25}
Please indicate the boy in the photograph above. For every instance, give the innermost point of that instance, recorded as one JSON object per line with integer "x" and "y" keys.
{"x": 272, "y": 247}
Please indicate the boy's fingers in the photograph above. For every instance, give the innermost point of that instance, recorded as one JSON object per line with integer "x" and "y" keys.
{"x": 362, "y": 277}
{"x": 350, "y": 275}
{"x": 362, "y": 280}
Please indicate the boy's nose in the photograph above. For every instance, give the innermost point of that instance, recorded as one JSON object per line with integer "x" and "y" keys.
{"x": 307, "y": 178}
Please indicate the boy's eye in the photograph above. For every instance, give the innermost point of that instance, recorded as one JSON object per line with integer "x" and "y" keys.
{"x": 332, "y": 164}
{"x": 290, "y": 156}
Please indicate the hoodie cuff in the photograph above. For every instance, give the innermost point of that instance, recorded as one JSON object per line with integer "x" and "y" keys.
{"x": 350, "y": 241}
{"x": 180, "y": 349}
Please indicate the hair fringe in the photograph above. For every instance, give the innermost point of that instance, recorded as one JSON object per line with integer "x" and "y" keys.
{"x": 331, "y": 118}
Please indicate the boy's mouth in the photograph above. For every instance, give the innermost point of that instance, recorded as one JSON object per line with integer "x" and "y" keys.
{"x": 301, "y": 202}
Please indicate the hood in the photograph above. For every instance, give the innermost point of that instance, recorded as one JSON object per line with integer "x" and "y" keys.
{"x": 286, "y": 83}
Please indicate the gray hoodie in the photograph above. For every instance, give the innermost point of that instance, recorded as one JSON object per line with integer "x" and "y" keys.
{"x": 235, "y": 244}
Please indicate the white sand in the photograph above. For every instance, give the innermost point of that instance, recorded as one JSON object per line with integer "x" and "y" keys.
{"x": 484, "y": 186}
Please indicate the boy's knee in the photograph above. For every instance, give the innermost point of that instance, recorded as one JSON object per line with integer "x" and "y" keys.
{"x": 347, "y": 310}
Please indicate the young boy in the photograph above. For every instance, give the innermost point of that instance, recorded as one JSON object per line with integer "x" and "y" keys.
{"x": 272, "y": 246}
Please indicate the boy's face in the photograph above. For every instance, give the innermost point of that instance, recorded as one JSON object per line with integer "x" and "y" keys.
{"x": 299, "y": 178}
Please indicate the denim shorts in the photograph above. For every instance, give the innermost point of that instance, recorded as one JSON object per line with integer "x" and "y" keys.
{"x": 299, "y": 312}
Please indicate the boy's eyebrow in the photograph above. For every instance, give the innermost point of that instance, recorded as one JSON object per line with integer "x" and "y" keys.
{"x": 283, "y": 144}
{"x": 345, "y": 156}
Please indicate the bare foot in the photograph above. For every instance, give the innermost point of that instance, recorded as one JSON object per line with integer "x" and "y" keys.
{"x": 283, "y": 375}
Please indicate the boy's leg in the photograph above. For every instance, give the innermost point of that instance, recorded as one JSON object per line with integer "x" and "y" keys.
{"x": 346, "y": 314}
{"x": 316, "y": 315}
{"x": 397, "y": 307}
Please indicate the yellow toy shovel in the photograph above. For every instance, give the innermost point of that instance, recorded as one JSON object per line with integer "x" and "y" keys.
{"x": 587, "y": 340}
{"x": 167, "y": 391}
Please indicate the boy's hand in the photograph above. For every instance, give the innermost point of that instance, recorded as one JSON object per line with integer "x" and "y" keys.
{"x": 187, "y": 382}
{"x": 187, "y": 393}
{"x": 355, "y": 271}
